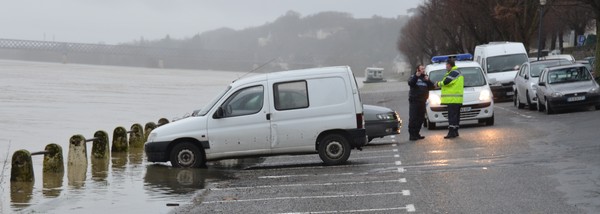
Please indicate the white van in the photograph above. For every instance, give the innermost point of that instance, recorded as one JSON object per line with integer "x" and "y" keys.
{"x": 290, "y": 112}
{"x": 500, "y": 61}
{"x": 478, "y": 102}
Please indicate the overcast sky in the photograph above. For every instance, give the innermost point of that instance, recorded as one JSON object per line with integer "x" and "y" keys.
{"x": 116, "y": 21}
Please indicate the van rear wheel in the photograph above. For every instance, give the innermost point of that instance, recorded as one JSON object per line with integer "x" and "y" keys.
{"x": 334, "y": 149}
{"x": 186, "y": 155}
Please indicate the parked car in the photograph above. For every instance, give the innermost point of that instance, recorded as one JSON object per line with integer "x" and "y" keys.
{"x": 478, "y": 103}
{"x": 526, "y": 81}
{"x": 566, "y": 86}
{"x": 381, "y": 121}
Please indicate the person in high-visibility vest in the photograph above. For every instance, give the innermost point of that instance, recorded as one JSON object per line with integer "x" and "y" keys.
{"x": 452, "y": 86}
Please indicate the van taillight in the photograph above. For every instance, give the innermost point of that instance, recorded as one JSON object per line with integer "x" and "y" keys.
{"x": 360, "y": 122}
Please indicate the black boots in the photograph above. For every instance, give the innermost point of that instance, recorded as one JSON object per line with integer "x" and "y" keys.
{"x": 416, "y": 137}
{"x": 452, "y": 133}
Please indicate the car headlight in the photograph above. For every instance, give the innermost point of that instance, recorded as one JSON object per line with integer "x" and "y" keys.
{"x": 152, "y": 136}
{"x": 556, "y": 94}
{"x": 485, "y": 95}
{"x": 594, "y": 90}
{"x": 434, "y": 100}
{"x": 384, "y": 117}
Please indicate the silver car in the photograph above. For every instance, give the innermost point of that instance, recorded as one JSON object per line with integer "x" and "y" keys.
{"x": 567, "y": 86}
{"x": 526, "y": 81}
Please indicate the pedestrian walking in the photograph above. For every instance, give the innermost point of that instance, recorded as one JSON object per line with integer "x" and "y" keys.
{"x": 417, "y": 96}
{"x": 452, "y": 86}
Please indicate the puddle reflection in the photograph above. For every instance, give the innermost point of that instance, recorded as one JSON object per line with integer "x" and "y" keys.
{"x": 163, "y": 178}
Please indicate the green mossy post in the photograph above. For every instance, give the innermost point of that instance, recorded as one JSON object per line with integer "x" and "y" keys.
{"x": 119, "y": 143}
{"x": 22, "y": 167}
{"x": 136, "y": 136}
{"x": 100, "y": 146}
{"x": 100, "y": 156}
{"x": 53, "y": 160}
{"x": 162, "y": 121}
{"x": 77, "y": 161}
{"x": 147, "y": 129}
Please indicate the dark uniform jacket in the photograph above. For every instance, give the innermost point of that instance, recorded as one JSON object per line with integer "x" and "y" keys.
{"x": 419, "y": 88}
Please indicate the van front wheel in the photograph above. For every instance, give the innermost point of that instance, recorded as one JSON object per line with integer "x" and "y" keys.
{"x": 334, "y": 149}
{"x": 186, "y": 155}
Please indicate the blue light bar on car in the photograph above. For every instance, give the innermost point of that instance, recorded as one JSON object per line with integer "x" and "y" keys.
{"x": 457, "y": 57}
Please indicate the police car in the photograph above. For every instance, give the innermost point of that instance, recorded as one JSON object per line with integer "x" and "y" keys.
{"x": 478, "y": 102}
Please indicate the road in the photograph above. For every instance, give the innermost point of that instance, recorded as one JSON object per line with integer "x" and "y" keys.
{"x": 528, "y": 162}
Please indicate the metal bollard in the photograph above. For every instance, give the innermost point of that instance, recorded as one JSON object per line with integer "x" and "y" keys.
{"x": 53, "y": 159}
{"x": 136, "y": 136}
{"x": 162, "y": 121}
{"x": 21, "y": 167}
{"x": 77, "y": 161}
{"x": 147, "y": 129}
{"x": 119, "y": 143}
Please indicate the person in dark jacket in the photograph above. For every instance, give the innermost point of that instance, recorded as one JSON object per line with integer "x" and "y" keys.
{"x": 417, "y": 96}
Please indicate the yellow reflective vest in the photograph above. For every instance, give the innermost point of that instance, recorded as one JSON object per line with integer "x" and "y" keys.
{"x": 452, "y": 93}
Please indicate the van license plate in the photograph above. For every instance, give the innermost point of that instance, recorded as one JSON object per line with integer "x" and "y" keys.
{"x": 510, "y": 93}
{"x": 573, "y": 99}
{"x": 465, "y": 109}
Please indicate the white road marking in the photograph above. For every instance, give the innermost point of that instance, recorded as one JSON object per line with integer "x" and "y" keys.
{"x": 408, "y": 208}
{"x": 398, "y": 163}
{"x": 395, "y": 150}
{"x": 514, "y": 112}
{"x": 396, "y": 156}
{"x": 400, "y": 169}
{"x": 402, "y": 180}
{"x": 394, "y": 144}
{"x": 403, "y": 192}
{"x": 304, "y": 175}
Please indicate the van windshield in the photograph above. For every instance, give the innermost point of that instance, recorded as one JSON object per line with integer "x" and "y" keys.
{"x": 210, "y": 104}
{"x": 473, "y": 76}
{"x": 505, "y": 62}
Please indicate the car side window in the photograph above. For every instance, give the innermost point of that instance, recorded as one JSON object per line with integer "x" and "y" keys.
{"x": 244, "y": 102}
{"x": 290, "y": 95}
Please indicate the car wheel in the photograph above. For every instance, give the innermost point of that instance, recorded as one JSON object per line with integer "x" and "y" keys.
{"x": 490, "y": 121}
{"x": 539, "y": 105}
{"x": 186, "y": 155}
{"x": 598, "y": 107}
{"x": 430, "y": 125}
{"x": 547, "y": 107}
{"x": 531, "y": 107}
{"x": 519, "y": 104}
{"x": 334, "y": 149}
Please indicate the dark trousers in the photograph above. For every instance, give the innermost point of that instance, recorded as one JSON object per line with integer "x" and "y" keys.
{"x": 453, "y": 115}
{"x": 416, "y": 116}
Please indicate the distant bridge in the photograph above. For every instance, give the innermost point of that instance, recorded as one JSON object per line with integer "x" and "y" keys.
{"x": 143, "y": 56}
{"x": 67, "y": 47}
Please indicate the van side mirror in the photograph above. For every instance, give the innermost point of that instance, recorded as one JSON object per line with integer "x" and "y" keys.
{"x": 219, "y": 113}
{"x": 542, "y": 84}
{"x": 526, "y": 77}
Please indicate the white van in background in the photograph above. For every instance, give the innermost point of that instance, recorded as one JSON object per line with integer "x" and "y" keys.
{"x": 290, "y": 112}
{"x": 500, "y": 61}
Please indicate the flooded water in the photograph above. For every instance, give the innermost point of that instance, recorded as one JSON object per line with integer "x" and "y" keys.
{"x": 43, "y": 103}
